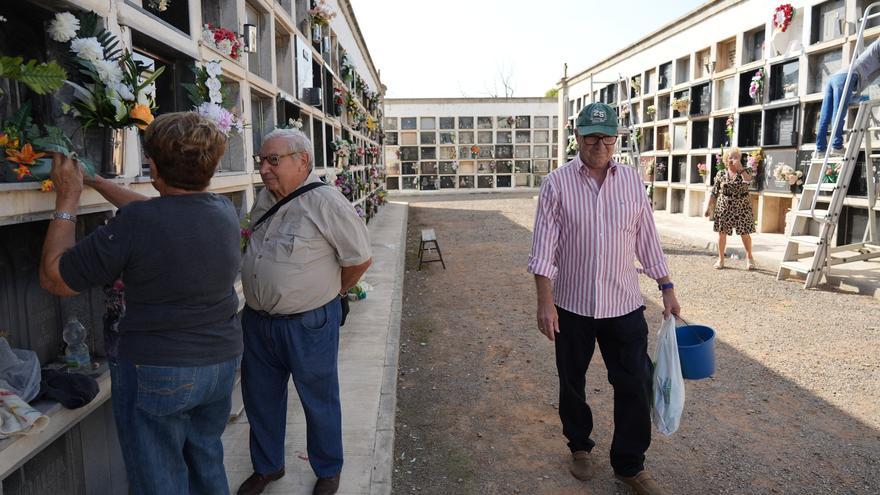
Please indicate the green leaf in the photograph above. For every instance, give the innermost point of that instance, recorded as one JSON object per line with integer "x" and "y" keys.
{"x": 193, "y": 93}
{"x": 146, "y": 82}
{"x": 88, "y": 25}
{"x": 40, "y": 78}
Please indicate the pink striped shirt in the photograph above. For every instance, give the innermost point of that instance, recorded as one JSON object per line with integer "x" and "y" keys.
{"x": 586, "y": 239}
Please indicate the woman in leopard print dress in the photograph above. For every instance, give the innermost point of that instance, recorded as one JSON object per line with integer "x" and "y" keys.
{"x": 733, "y": 208}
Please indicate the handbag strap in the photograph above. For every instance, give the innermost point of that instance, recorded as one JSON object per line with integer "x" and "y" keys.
{"x": 286, "y": 199}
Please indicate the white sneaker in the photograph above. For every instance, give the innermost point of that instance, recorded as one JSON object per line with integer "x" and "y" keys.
{"x": 837, "y": 151}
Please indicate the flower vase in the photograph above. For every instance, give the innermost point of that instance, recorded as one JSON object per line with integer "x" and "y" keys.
{"x": 317, "y": 34}
{"x": 112, "y": 152}
{"x": 339, "y": 109}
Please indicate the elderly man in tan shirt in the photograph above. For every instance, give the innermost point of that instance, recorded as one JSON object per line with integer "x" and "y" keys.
{"x": 300, "y": 257}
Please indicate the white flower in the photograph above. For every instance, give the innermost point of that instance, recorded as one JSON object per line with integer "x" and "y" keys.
{"x": 122, "y": 90}
{"x": 225, "y": 46}
{"x": 213, "y": 69}
{"x": 215, "y": 96}
{"x": 213, "y": 83}
{"x": 108, "y": 71}
{"x": 114, "y": 97}
{"x": 87, "y": 48}
{"x": 2, "y": 19}
{"x": 145, "y": 95}
{"x": 63, "y": 27}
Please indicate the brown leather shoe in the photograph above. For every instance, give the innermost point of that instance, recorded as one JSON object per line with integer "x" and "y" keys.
{"x": 582, "y": 466}
{"x": 326, "y": 486}
{"x": 642, "y": 483}
{"x": 257, "y": 483}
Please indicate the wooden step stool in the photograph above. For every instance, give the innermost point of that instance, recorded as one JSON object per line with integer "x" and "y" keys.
{"x": 429, "y": 238}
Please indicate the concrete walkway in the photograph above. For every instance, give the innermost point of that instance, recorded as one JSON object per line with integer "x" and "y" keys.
{"x": 368, "y": 351}
{"x": 862, "y": 277}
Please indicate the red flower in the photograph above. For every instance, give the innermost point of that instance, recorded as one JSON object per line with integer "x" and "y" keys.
{"x": 785, "y": 12}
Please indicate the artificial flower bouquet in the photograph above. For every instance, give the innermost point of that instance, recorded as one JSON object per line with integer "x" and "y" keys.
{"x": 225, "y": 41}
{"x": 756, "y": 86}
{"x": 116, "y": 90}
{"x": 702, "y": 169}
{"x": 831, "y": 172}
{"x": 208, "y": 96}
{"x": 785, "y": 173}
{"x": 25, "y": 149}
{"x": 681, "y": 105}
{"x": 754, "y": 160}
{"x": 782, "y": 17}
{"x": 321, "y": 13}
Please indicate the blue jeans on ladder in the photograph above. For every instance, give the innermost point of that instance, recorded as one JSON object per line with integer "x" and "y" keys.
{"x": 833, "y": 93}
{"x": 304, "y": 346}
{"x": 169, "y": 420}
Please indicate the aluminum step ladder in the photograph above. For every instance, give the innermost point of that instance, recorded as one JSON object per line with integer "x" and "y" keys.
{"x": 628, "y": 150}
{"x": 813, "y": 228}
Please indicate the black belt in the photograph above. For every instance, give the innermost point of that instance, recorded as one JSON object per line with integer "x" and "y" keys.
{"x": 276, "y": 317}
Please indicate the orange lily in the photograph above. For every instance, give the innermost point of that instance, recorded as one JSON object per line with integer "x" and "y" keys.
{"x": 26, "y": 156}
{"x": 4, "y": 139}
{"x": 142, "y": 113}
{"x": 47, "y": 185}
{"x": 22, "y": 171}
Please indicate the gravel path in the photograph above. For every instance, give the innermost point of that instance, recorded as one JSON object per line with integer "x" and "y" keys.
{"x": 793, "y": 406}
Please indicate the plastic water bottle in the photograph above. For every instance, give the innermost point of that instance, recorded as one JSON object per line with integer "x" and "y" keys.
{"x": 77, "y": 353}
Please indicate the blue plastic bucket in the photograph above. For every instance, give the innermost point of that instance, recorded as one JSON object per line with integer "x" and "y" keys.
{"x": 696, "y": 351}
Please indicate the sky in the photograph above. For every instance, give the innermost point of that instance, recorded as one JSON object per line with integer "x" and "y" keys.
{"x": 459, "y": 48}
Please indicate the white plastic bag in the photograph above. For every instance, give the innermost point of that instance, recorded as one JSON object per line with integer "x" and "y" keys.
{"x": 668, "y": 383}
{"x": 19, "y": 371}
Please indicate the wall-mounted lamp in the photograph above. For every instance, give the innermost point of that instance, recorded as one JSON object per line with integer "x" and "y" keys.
{"x": 249, "y": 32}
{"x": 842, "y": 25}
{"x": 710, "y": 67}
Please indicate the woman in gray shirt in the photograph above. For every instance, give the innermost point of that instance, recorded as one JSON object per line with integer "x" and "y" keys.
{"x": 180, "y": 340}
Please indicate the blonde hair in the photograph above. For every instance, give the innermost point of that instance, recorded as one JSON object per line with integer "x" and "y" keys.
{"x": 729, "y": 151}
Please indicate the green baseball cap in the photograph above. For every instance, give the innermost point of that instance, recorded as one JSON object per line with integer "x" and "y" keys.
{"x": 597, "y": 118}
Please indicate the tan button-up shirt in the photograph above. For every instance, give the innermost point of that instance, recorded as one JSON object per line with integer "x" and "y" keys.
{"x": 293, "y": 262}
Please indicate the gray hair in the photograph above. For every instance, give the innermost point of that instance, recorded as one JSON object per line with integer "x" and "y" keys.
{"x": 296, "y": 139}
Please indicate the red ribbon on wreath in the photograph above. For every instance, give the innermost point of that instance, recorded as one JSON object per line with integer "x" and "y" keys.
{"x": 782, "y": 17}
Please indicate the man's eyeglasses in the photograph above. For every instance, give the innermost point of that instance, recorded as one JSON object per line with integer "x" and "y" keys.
{"x": 607, "y": 140}
{"x": 272, "y": 159}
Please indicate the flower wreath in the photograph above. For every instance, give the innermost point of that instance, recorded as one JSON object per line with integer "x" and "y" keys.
{"x": 782, "y": 17}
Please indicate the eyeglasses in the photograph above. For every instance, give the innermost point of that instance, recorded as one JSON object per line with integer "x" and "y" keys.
{"x": 272, "y": 159}
{"x": 607, "y": 140}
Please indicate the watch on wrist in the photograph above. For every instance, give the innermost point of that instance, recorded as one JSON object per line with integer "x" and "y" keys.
{"x": 63, "y": 215}
{"x": 667, "y": 285}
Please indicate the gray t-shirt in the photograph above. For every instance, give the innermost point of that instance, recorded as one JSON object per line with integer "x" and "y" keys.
{"x": 179, "y": 257}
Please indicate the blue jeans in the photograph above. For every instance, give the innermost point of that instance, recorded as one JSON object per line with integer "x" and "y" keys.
{"x": 306, "y": 347}
{"x": 169, "y": 422}
{"x": 833, "y": 93}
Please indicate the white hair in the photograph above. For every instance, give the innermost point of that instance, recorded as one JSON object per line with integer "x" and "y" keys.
{"x": 297, "y": 140}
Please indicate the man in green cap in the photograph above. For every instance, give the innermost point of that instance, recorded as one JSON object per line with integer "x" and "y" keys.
{"x": 593, "y": 222}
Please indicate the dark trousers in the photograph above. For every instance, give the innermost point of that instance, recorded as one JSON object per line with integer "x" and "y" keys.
{"x": 623, "y": 342}
{"x": 305, "y": 348}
